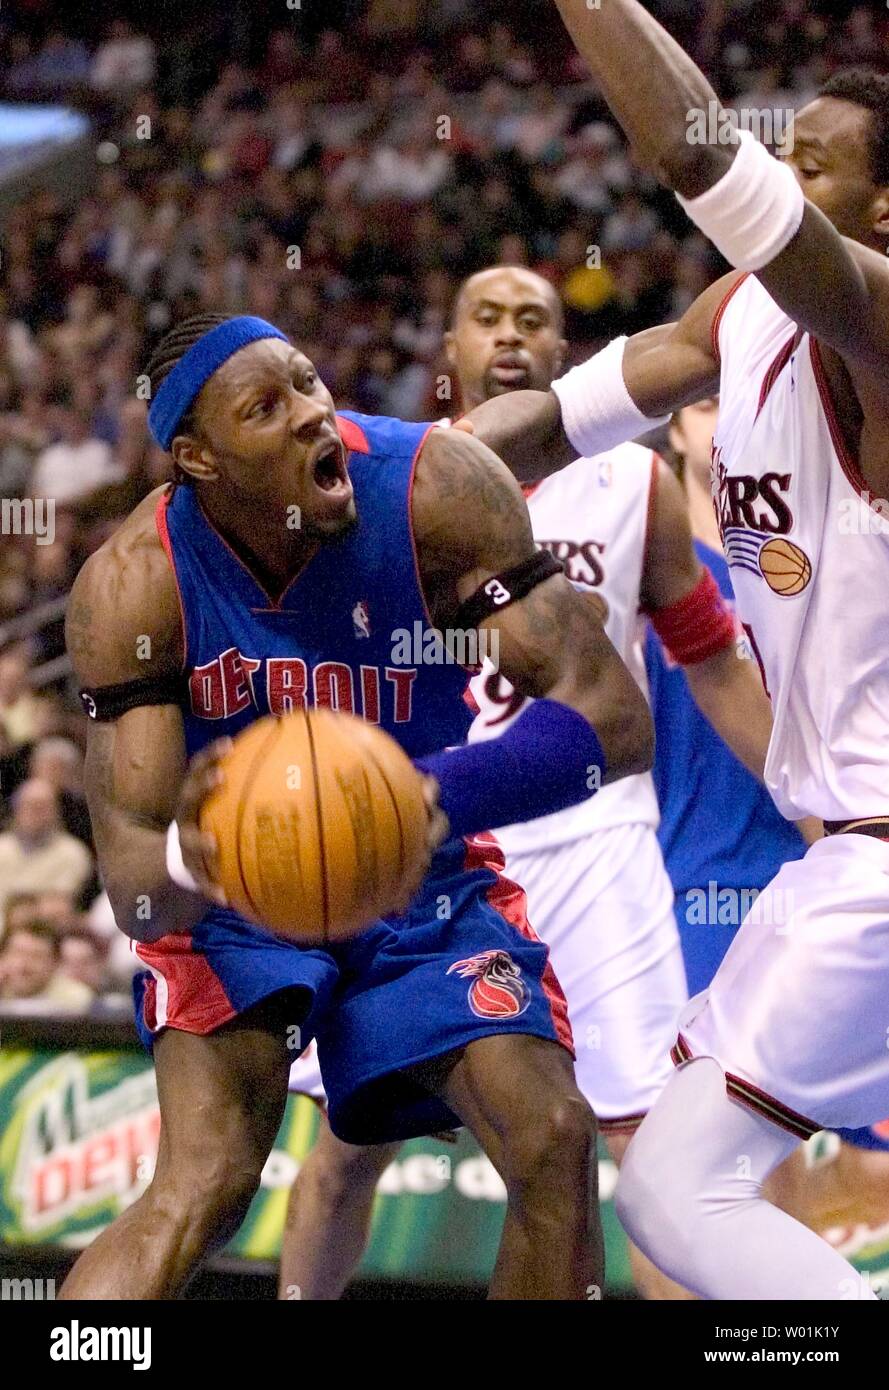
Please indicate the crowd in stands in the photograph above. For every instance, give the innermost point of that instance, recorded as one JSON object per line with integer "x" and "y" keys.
{"x": 337, "y": 168}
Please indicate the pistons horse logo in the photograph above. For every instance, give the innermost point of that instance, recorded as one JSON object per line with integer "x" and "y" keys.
{"x": 497, "y": 989}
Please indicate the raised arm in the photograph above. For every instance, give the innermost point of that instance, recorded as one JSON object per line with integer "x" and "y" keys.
{"x": 122, "y": 625}
{"x": 834, "y": 288}
{"x": 629, "y": 388}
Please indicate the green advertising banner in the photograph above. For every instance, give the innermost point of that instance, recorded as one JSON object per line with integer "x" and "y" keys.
{"x": 78, "y": 1141}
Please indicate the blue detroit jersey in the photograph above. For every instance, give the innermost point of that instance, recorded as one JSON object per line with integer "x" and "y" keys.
{"x": 331, "y": 639}
{"x": 349, "y": 633}
{"x": 718, "y": 824}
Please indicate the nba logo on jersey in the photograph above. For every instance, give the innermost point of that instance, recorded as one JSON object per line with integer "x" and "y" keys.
{"x": 605, "y": 473}
{"x": 361, "y": 619}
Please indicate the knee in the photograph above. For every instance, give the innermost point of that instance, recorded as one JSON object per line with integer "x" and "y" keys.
{"x": 210, "y": 1193}
{"x": 637, "y": 1193}
{"x": 344, "y": 1173}
{"x": 555, "y": 1146}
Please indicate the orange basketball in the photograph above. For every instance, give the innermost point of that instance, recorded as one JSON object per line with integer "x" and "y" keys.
{"x": 320, "y": 821}
{"x": 785, "y": 568}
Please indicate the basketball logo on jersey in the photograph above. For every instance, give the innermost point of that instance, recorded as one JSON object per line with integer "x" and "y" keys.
{"x": 497, "y": 989}
{"x": 361, "y": 619}
{"x": 754, "y": 521}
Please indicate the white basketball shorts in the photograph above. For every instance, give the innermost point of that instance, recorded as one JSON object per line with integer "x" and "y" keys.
{"x": 797, "y": 1015}
{"x": 604, "y": 906}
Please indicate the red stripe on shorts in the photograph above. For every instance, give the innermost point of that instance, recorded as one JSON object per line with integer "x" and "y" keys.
{"x": 196, "y": 1000}
{"x": 508, "y": 898}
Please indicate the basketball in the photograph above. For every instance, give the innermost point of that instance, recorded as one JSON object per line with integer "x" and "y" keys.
{"x": 320, "y": 820}
{"x": 785, "y": 568}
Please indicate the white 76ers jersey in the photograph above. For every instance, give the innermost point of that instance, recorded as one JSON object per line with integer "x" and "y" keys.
{"x": 593, "y": 516}
{"x": 809, "y": 558}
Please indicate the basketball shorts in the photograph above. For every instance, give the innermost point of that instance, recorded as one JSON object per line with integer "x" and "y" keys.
{"x": 604, "y": 907}
{"x": 463, "y": 963}
{"x": 796, "y": 1014}
{"x": 704, "y": 944}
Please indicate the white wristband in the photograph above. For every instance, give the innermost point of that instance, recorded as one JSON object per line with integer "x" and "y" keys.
{"x": 598, "y": 411}
{"x": 175, "y": 863}
{"x": 755, "y": 209}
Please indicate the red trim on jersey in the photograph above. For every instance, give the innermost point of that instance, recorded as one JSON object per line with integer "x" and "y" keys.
{"x": 507, "y": 898}
{"x": 652, "y": 504}
{"x": 529, "y": 489}
{"x": 470, "y": 700}
{"x": 163, "y": 531}
{"x": 777, "y": 368}
{"x": 737, "y": 1088}
{"x": 196, "y": 1000}
{"x": 717, "y": 317}
{"x": 848, "y": 462}
{"x": 353, "y": 436}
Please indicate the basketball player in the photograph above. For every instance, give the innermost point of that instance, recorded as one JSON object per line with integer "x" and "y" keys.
{"x": 598, "y": 893}
{"x": 740, "y": 850}
{"x": 792, "y": 1037}
{"x": 210, "y": 608}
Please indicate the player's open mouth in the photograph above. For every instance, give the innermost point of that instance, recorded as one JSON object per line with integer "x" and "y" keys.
{"x": 329, "y": 470}
{"x": 510, "y": 368}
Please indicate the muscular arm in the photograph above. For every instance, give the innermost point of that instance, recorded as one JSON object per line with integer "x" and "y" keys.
{"x": 471, "y": 523}
{"x": 664, "y": 369}
{"x": 726, "y": 689}
{"x": 123, "y": 624}
{"x": 836, "y": 289}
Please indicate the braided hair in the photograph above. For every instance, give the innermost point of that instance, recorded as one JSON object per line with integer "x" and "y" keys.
{"x": 170, "y": 350}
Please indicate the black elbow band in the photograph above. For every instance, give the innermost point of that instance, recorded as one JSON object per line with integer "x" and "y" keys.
{"x": 108, "y": 702}
{"x": 506, "y": 588}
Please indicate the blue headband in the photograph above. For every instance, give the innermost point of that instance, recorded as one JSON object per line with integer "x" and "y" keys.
{"x": 178, "y": 391}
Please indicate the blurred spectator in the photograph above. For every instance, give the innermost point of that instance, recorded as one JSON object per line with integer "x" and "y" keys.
{"x": 125, "y": 60}
{"x": 56, "y": 908}
{"x": 59, "y": 63}
{"x": 36, "y": 852}
{"x": 31, "y": 974}
{"x": 59, "y": 762}
{"x": 83, "y": 957}
{"x": 20, "y": 907}
{"x": 19, "y": 706}
{"x": 78, "y": 464}
{"x": 631, "y": 227}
